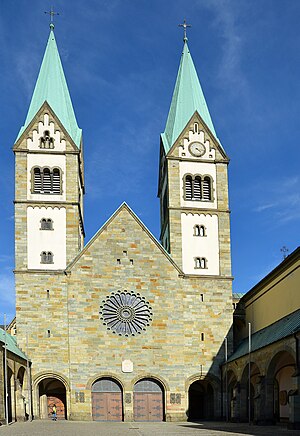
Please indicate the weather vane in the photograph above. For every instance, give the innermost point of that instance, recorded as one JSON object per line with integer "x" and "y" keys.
{"x": 184, "y": 25}
{"x": 284, "y": 250}
{"x": 51, "y": 13}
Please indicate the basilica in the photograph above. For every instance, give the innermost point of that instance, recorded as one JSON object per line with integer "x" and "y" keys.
{"x": 125, "y": 327}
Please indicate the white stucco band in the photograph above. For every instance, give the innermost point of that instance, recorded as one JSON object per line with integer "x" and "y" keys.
{"x": 46, "y": 240}
{"x": 200, "y": 246}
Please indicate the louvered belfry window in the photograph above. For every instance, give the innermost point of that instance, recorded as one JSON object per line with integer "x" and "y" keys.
{"x": 46, "y": 181}
{"x": 37, "y": 180}
{"x": 46, "y": 224}
{"x": 206, "y": 189}
{"x": 188, "y": 188}
{"x": 198, "y": 188}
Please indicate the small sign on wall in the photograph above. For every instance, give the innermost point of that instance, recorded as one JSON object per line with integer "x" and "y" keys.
{"x": 127, "y": 365}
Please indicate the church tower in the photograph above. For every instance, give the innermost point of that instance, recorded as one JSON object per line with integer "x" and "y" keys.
{"x": 193, "y": 186}
{"x": 49, "y": 188}
{"x": 49, "y": 174}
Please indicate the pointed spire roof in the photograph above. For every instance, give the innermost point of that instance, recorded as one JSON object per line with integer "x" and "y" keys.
{"x": 187, "y": 98}
{"x": 51, "y": 86}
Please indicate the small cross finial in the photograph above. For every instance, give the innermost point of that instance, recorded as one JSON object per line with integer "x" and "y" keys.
{"x": 284, "y": 250}
{"x": 184, "y": 25}
{"x": 51, "y": 13}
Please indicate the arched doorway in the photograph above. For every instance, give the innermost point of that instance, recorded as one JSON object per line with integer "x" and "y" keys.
{"x": 52, "y": 391}
{"x": 107, "y": 401}
{"x": 281, "y": 384}
{"x": 148, "y": 400}
{"x": 201, "y": 401}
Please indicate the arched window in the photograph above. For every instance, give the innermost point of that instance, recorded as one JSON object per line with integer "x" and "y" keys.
{"x": 46, "y": 224}
{"x": 56, "y": 181}
{"x": 199, "y": 230}
{"x": 188, "y": 187}
{"x": 46, "y": 257}
{"x": 198, "y": 188}
{"x": 196, "y": 127}
{"x": 37, "y": 180}
{"x": 206, "y": 188}
{"x": 46, "y": 181}
{"x": 46, "y": 141}
{"x": 200, "y": 263}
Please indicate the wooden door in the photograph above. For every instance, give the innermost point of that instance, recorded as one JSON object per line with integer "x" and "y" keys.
{"x": 148, "y": 406}
{"x": 60, "y": 407}
{"x": 107, "y": 406}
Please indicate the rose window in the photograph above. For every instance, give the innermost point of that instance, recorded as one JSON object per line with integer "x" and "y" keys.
{"x": 125, "y": 313}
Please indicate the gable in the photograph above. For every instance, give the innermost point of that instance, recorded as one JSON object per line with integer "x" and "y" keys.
{"x": 214, "y": 150}
{"x": 121, "y": 243}
{"x": 45, "y": 120}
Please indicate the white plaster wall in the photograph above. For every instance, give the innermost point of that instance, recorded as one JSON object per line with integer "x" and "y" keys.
{"x": 33, "y": 143}
{"x": 51, "y": 161}
{"x": 46, "y": 240}
{"x": 286, "y": 383}
{"x": 203, "y": 168}
{"x": 200, "y": 246}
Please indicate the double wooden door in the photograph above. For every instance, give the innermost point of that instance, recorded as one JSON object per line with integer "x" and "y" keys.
{"x": 148, "y": 406}
{"x": 107, "y": 406}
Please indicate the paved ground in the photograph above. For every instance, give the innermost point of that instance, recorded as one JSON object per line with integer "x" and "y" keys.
{"x": 71, "y": 428}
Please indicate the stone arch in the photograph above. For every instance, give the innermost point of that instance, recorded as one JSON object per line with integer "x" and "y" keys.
{"x": 247, "y": 406}
{"x": 203, "y": 394}
{"x": 160, "y": 380}
{"x": 281, "y": 384}
{"x": 51, "y": 389}
{"x": 99, "y": 376}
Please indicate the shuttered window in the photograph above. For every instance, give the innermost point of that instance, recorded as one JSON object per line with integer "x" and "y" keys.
{"x": 197, "y": 188}
{"x": 46, "y": 181}
{"x": 206, "y": 188}
{"x": 37, "y": 180}
{"x": 188, "y": 188}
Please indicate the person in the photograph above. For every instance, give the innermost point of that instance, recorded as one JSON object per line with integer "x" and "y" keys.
{"x": 54, "y": 416}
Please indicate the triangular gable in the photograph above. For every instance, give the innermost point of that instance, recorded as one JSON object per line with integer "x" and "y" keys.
{"x": 139, "y": 222}
{"x": 45, "y": 108}
{"x": 210, "y": 136}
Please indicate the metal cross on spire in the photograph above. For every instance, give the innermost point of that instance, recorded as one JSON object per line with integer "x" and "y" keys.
{"x": 184, "y": 25}
{"x": 52, "y": 13}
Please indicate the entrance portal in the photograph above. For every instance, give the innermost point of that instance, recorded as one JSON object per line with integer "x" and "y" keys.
{"x": 148, "y": 401}
{"x": 201, "y": 401}
{"x": 107, "y": 404}
{"x": 52, "y": 392}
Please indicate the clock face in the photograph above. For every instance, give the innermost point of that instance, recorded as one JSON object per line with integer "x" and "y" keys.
{"x": 197, "y": 149}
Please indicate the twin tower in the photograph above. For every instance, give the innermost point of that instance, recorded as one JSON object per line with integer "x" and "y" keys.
{"x": 193, "y": 186}
{"x": 123, "y": 315}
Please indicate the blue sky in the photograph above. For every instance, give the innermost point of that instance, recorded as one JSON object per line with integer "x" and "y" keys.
{"x": 121, "y": 59}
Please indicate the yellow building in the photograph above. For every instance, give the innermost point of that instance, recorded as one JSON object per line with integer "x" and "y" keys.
{"x": 271, "y": 310}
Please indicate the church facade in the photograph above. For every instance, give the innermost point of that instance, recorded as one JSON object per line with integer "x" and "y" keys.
{"x": 124, "y": 327}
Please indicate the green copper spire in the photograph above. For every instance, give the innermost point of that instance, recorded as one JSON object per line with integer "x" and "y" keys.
{"x": 51, "y": 86}
{"x": 187, "y": 99}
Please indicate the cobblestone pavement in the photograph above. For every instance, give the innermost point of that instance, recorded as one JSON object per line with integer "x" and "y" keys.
{"x": 72, "y": 428}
